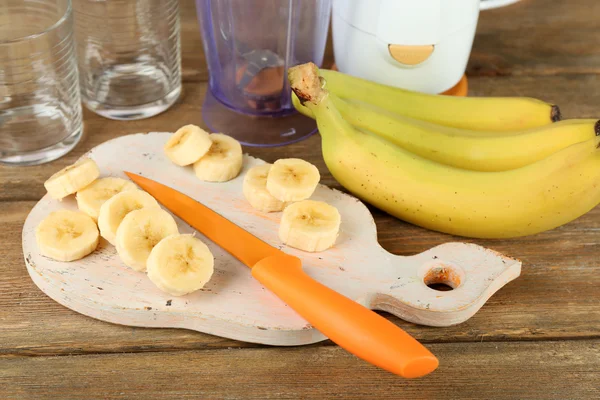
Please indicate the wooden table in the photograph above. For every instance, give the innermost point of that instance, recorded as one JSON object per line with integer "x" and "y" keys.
{"x": 539, "y": 337}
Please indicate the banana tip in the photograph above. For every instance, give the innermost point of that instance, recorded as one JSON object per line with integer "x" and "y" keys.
{"x": 597, "y": 128}
{"x": 555, "y": 114}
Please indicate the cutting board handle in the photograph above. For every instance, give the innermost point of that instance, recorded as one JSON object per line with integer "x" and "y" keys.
{"x": 471, "y": 274}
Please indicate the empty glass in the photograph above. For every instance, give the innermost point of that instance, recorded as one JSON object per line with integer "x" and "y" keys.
{"x": 40, "y": 110}
{"x": 249, "y": 45}
{"x": 129, "y": 56}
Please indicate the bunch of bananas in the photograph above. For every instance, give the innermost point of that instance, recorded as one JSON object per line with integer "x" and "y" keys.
{"x": 474, "y": 167}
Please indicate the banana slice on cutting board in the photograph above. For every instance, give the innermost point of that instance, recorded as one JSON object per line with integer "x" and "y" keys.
{"x": 91, "y": 198}
{"x": 72, "y": 179}
{"x": 292, "y": 179}
{"x": 139, "y": 232}
{"x": 188, "y": 145}
{"x": 117, "y": 207}
{"x": 223, "y": 161}
{"x": 180, "y": 264}
{"x": 310, "y": 225}
{"x": 67, "y": 235}
{"x": 255, "y": 190}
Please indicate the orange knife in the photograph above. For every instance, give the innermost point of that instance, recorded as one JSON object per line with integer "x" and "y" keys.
{"x": 352, "y": 326}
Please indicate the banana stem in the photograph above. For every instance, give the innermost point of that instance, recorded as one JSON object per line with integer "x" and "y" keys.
{"x": 312, "y": 96}
{"x": 306, "y": 83}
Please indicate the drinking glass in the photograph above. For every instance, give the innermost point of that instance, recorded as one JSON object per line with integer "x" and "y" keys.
{"x": 40, "y": 109}
{"x": 249, "y": 45}
{"x": 129, "y": 56}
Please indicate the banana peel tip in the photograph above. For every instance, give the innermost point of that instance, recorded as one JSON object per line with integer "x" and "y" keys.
{"x": 555, "y": 114}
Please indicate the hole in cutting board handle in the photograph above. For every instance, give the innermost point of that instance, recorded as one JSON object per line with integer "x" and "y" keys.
{"x": 440, "y": 287}
{"x": 443, "y": 278}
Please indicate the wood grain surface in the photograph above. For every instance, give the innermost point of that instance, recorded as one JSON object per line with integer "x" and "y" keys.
{"x": 538, "y": 338}
{"x": 541, "y": 370}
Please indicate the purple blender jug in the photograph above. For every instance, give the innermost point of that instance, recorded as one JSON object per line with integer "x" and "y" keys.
{"x": 249, "y": 45}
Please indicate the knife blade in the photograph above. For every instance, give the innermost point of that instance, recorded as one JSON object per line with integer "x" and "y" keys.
{"x": 352, "y": 326}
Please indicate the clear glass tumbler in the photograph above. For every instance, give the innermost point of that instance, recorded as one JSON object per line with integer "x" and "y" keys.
{"x": 249, "y": 45}
{"x": 40, "y": 109}
{"x": 129, "y": 56}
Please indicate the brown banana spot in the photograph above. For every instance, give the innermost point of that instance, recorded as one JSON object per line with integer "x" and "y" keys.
{"x": 302, "y": 96}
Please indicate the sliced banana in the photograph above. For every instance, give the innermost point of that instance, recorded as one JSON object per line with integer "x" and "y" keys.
{"x": 139, "y": 232}
{"x": 188, "y": 145}
{"x": 72, "y": 178}
{"x": 117, "y": 207}
{"x": 310, "y": 225}
{"x": 180, "y": 264}
{"x": 91, "y": 198}
{"x": 223, "y": 161}
{"x": 67, "y": 235}
{"x": 255, "y": 190}
{"x": 292, "y": 179}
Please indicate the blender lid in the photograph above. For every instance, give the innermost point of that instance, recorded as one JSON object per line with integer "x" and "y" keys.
{"x": 408, "y": 22}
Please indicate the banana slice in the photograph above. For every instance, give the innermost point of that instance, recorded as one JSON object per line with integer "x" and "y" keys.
{"x": 223, "y": 161}
{"x": 292, "y": 179}
{"x": 310, "y": 225}
{"x": 180, "y": 264}
{"x": 72, "y": 179}
{"x": 117, "y": 207}
{"x": 188, "y": 145}
{"x": 139, "y": 232}
{"x": 67, "y": 235}
{"x": 91, "y": 198}
{"x": 255, "y": 190}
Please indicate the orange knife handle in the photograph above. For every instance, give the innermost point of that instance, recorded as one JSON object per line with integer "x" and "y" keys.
{"x": 352, "y": 326}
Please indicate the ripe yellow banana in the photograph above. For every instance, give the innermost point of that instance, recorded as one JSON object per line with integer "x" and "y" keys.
{"x": 480, "y": 151}
{"x": 519, "y": 202}
{"x": 477, "y": 113}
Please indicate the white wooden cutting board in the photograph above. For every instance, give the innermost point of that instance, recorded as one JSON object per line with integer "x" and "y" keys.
{"x": 233, "y": 304}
